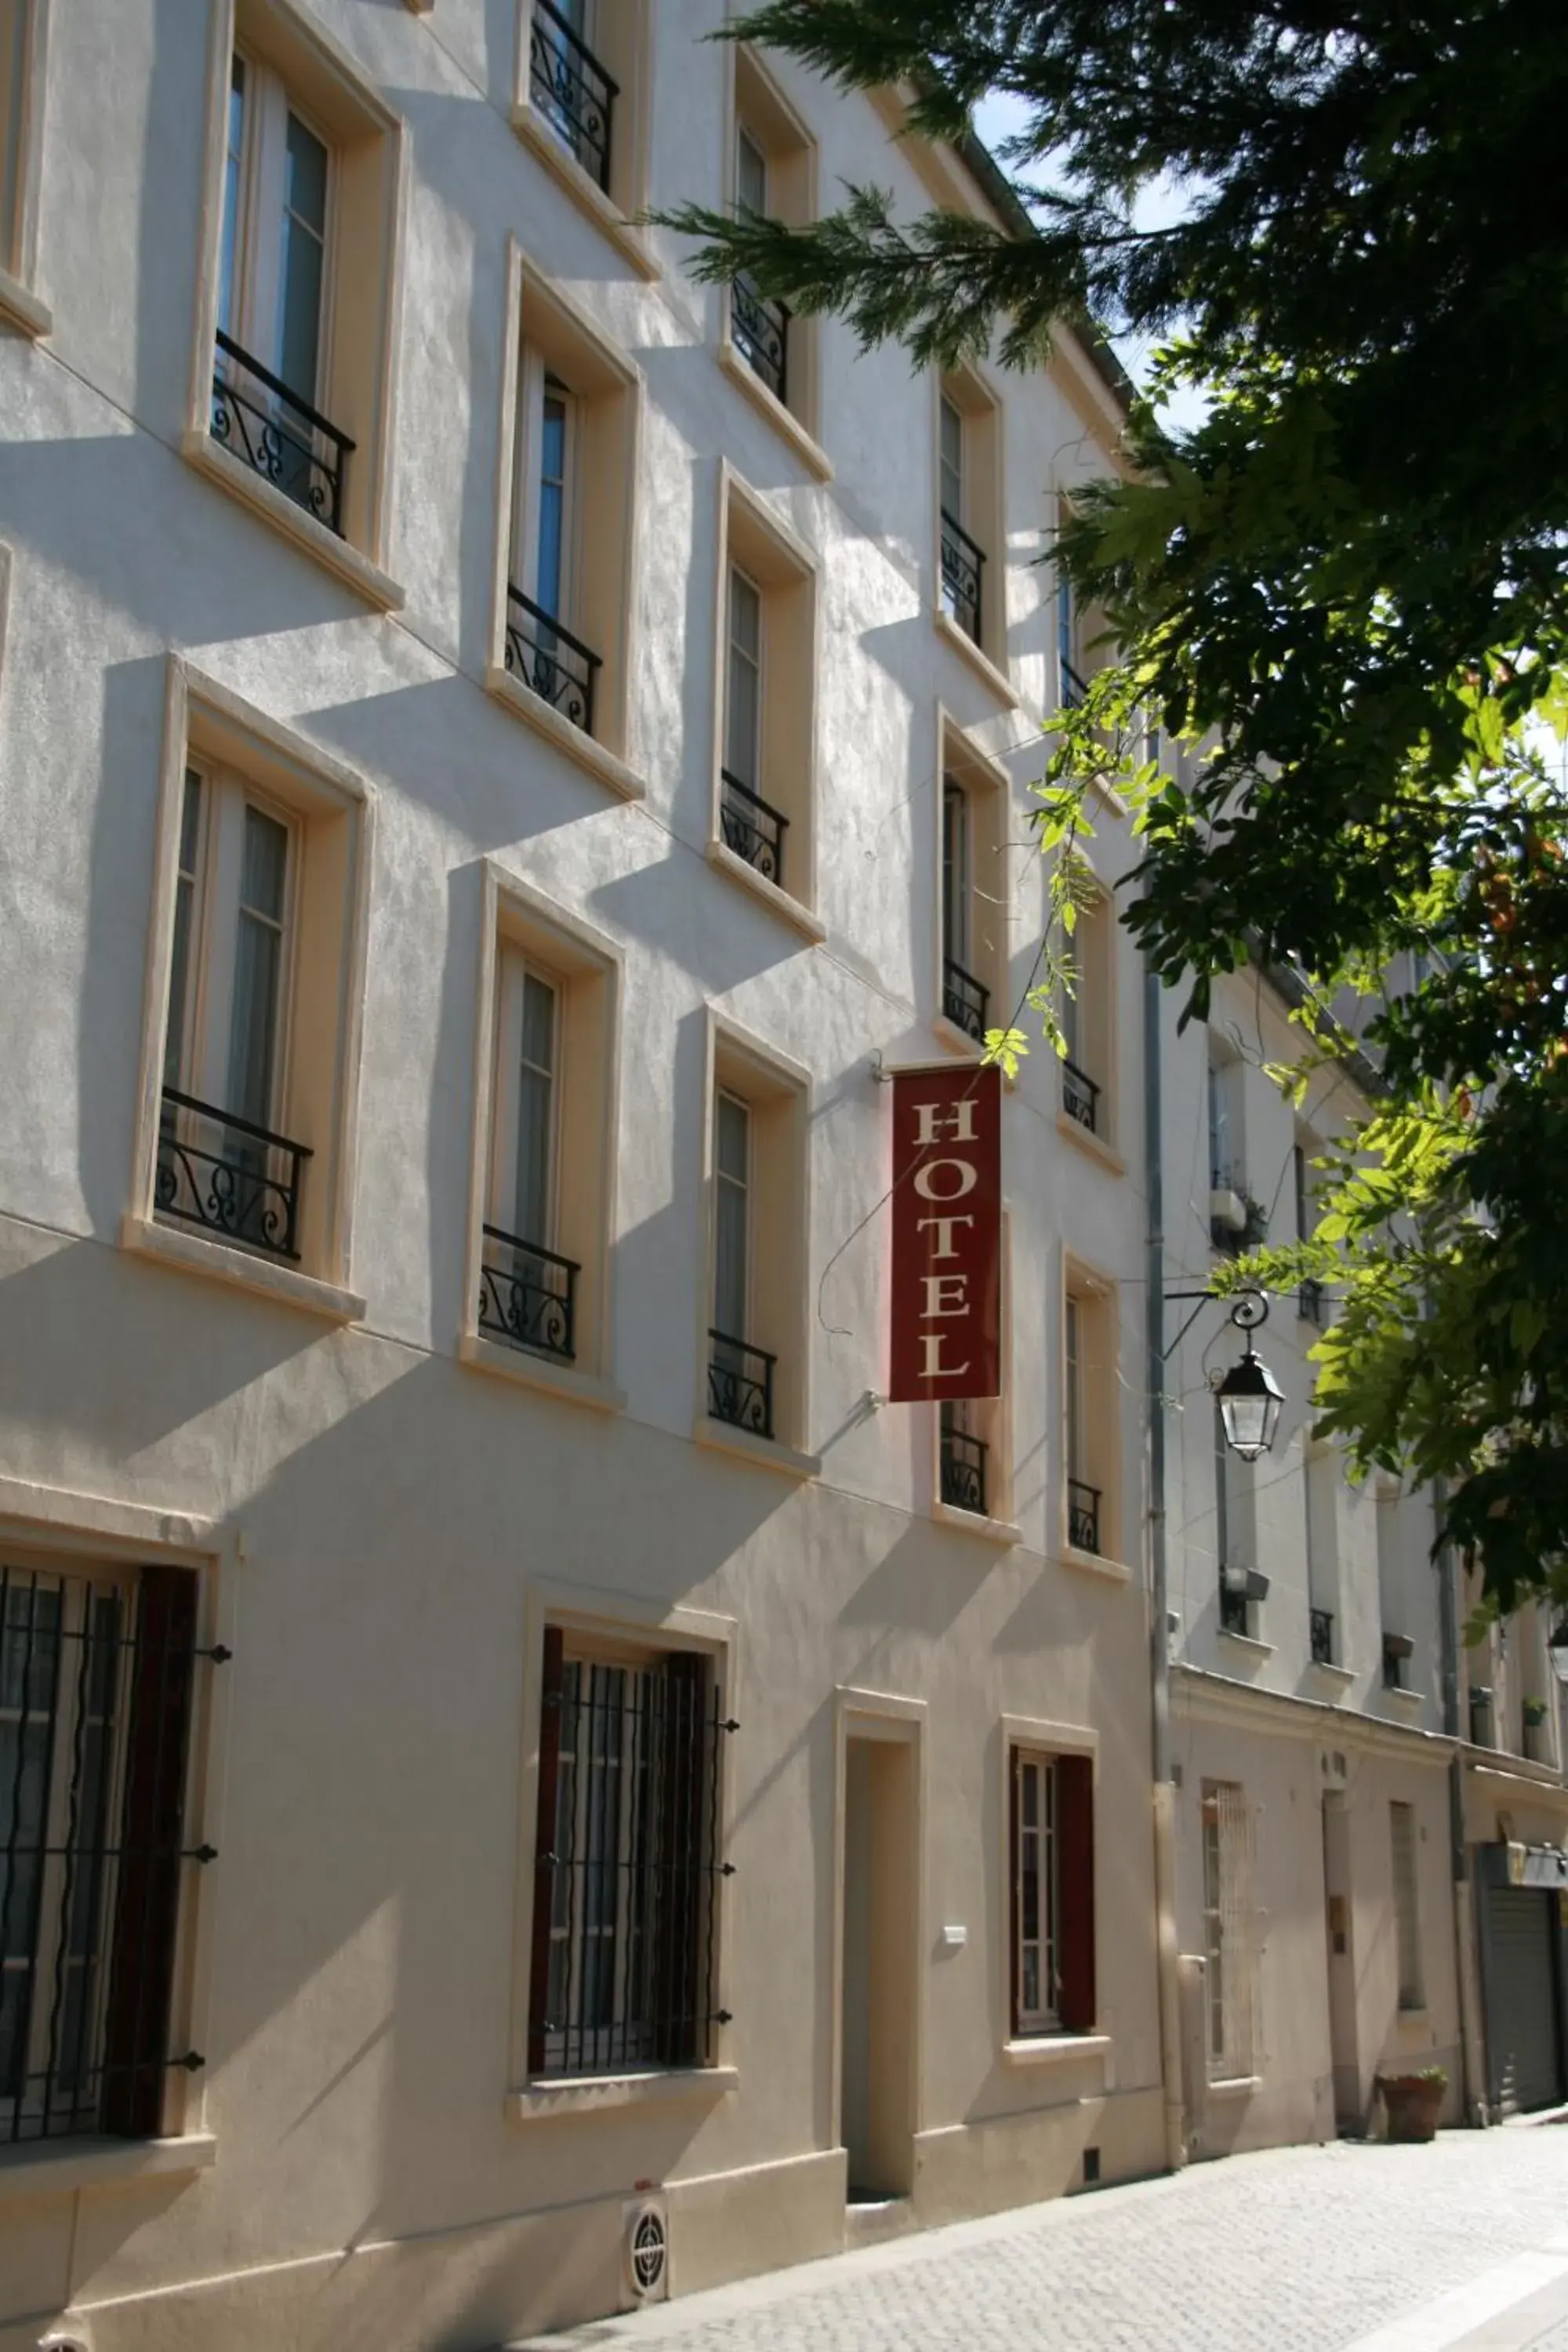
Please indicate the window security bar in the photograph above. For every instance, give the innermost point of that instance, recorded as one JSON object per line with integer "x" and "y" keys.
{"x": 228, "y": 1176}
{"x": 964, "y": 1000}
{"x": 286, "y": 450}
{"x": 963, "y": 575}
{"x": 741, "y": 1384}
{"x": 1080, "y": 1097}
{"x": 759, "y": 330}
{"x": 1322, "y": 1628}
{"x": 550, "y": 661}
{"x": 751, "y": 829}
{"x": 571, "y": 87}
{"x": 528, "y": 1296}
{"x": 630, "y": 1761}
{"x": 96, "y": 1686}
{"x": 964, "y": 1471}
{"x": 1083, "y": 1516}
{"x": 1309, "y": 1301}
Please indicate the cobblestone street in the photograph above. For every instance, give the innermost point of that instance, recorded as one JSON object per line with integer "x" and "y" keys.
{"x": 1348, "y": 2248}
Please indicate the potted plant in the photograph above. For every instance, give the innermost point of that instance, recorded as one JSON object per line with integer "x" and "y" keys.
{"x": 1535, "y": 1732}
{"x": 1413, "y": 2101}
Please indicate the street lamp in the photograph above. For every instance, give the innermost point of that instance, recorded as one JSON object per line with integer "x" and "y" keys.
{"x": 1250, "y": 1399}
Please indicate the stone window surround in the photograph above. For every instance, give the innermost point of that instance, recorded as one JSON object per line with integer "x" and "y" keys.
{"x": 334, "y": 808}
{"x": 610, "y": 388}
{"x": 371, "y": 167}
{"x": 589, "y": 968}
{"x": 20, "y": 303}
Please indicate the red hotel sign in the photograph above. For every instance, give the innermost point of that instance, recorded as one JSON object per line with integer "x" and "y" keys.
{"x": 947, "y": 1234}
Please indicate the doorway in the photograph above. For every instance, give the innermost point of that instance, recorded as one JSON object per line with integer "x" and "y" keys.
{"x": 878, "y": 1908}
{"x": 1339, "y": 1929}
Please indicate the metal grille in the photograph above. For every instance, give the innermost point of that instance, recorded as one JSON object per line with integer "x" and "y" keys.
{"x": 279, "y": 436}
{"x": 1406, "y": 1906}
{"x": 963, "y": 1000}
{"x": 628, "y": 1884}
{"x": 1083, "y": 1516}
{"x": 751, "y": 829}
{"x": 549, "y": 660}
{"x": 1080, "y": 1097}
{"x": 1228, "y": 1929}
{"x": 963, "y": 574}
{"x": 228, "y": 1176}
{"x": 963, "y": 1460}
{"x": 759, "y": 330}
{"x": 95, "y": 1702}
{"x": 571, "y": 87}
{"x": 1322, "y": 1626}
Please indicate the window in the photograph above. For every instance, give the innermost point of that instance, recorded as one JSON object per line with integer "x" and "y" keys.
{"x": 1227, "y": 1930}
{"x": 294, "y": 398}
{"x": 545, "y": 1144}
{"x": 753, "y": 1379}
{"x": 970, "y": 537}
{"x": 966, "y": 1483}
{"x": 767, "y": 350}
{"x": 1319, "y": 1501}
{"x": 1406, "y": 1906}
{"x": 97, "y": 1673}
{"x": 21, "y": 112}
{"x": 222, "y": 1166}
{"x": 627, "y": 1860}
{"x": 1091, "y": 1411}
{"x": 565, "y": 623}
{"x": 1243, "y": 1588}
{"x": 972, "y": 978}
{"x": 1234, "y": 1222}
{"x": 1392, "y": 1589}
{"x": 1088, "y": 1016}
{"x": 1052, "y": 1936}
{"x": 256, "y": 1035}
{"x": 1081, "y": 649}
{"x": 580, "y": 106}
{"x": 763, "y": 819}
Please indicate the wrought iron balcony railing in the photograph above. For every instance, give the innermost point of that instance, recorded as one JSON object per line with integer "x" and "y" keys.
{"x": 1083, "y": 1516}
{"x": 1080, "y": 1097}
{"x": 751, "y": 829}
{"x": 964, "y": 1471}
{"x": 964, "y": 1000}
{"x": 760, "y": 332}
{"x": 528, "y": 1296}
{"x": 280, "y": 436}
{"x": 547, "y": 659}
{"x": 1322, "y": 1622}
{"x": 572, "y": 91}
{"x": 741, "y": 1384}
{"x": 963, "y": 576}
{"x": 1309, "y": 1301}
{"x": 228, "y": 1176}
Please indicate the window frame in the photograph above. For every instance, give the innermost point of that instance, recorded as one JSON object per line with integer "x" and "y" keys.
{"x": 756, "y": 540}
{"x": 357, "y": 365}
{"x": 547, "y": 331}
{"x": 627, "y": 55}
{"x": 1097, "y": 1297}
{"x": 777, "y": 1092}
{"x": 94, "y": 1544}
{"x": 616, "y": 1624}
{"x": 586, "y": 967}
{"x": 969, "y": 393}
{"x": 756, "y": 103}
{"x": 986, "y": 787}
{"x": 332, "y": 808}
{"x": 1233, "y": 2056}
{"x": 1074, "y": 2021}
{"x": 21, "y": 133}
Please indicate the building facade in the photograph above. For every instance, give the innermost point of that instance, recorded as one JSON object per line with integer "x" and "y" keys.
{"x": 528, "y": 1784}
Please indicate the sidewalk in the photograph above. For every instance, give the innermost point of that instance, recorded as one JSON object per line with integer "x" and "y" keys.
{"x": 1353, "y": 2247}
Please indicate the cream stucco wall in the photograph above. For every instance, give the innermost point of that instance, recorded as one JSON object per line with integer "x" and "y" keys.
{"x": 380, "y": 1524}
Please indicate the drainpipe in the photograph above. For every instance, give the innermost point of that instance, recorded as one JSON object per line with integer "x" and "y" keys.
{"x": 1159, "y": 1592}
{"x": 1471, "y": 2095}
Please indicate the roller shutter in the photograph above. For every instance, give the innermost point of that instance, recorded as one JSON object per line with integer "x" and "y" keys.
{"x": 1521, "y": 2000}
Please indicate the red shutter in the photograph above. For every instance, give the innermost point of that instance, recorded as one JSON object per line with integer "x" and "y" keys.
{"x": 1014, "y": 1893}
{"x": 551, "y": 1684}
{"x": 147, "y": 1902}
{"x": 1075, "y": 1883}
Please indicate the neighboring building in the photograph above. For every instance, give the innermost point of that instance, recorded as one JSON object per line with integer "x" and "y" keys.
{"x": 514, "y": 1761}
{"x": 1316, "y": 1903}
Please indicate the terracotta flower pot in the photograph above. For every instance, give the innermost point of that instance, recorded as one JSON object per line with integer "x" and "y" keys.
{"x": 1413, "y": 2102}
